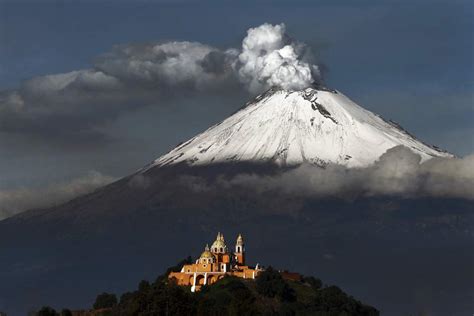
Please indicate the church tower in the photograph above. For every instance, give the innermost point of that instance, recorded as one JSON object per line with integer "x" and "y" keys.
{"x": 219, "y": 249}
{"x": 240, "y": 251}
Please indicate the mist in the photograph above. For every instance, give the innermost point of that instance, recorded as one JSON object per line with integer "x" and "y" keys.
{"x": 15, "y": 201}
{"x": 399, "y": 173}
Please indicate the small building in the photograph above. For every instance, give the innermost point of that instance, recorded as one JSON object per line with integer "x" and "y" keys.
{"x": 215, "y": 263}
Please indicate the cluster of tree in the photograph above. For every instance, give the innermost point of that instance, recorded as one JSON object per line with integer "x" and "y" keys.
{"x": 271, "y": 284}
{"x": 270, "y": 294}
{"x": 49, "y": 311}
{"x": 105, "y": 300}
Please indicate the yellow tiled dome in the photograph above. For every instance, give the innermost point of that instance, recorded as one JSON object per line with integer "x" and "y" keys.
{"x": 207, "y": 255}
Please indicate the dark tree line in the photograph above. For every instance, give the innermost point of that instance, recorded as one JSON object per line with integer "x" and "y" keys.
{"x": 49, "y": 311}
{"x": 269, "y": 294}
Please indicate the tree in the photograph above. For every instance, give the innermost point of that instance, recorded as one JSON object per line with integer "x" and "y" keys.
{"x": 126, "y": 297}
{"x": 47, "y": 311}
{"x": 332, "y": 299}
{"x": 105, "y": 300}
{"x": 271, "y": 284}
{"x": 316, "y": 284}
{"x": 65, "y": 312}
{"x": 144, "y": 286}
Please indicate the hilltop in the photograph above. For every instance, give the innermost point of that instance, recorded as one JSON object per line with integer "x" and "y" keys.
{"x": 269, "y": 294}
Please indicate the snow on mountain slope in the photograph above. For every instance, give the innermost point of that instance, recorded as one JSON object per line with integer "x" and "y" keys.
{"x": 292, "y": 127}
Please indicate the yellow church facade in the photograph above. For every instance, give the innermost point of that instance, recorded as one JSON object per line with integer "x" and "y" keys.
{"x": 215, "y": 263}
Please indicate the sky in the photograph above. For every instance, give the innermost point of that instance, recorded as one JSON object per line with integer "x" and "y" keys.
{"x": 410, "y": 61}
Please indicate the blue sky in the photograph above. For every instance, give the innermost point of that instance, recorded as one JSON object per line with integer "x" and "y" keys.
{"x": 410, "y": 61}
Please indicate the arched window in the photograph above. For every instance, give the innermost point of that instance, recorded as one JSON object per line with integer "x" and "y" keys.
{"x": 238, "y": 249}
{"x": 222, "y": 250}
{"x": 215, "y": 249}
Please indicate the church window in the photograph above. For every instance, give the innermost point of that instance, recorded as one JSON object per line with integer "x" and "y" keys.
{"x": 222, "y": 250}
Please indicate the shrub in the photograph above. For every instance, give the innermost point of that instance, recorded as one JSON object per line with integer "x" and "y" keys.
{"x": 66, "y": 312}
{"x": 271, "y": 284}
{"x": 105, "y": 300}
{"x": 47, "y": 311}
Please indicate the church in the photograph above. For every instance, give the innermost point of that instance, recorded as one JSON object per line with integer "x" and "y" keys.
{"x": 215, "y": 263}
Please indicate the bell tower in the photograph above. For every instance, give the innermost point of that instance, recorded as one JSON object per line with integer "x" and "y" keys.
{"x": 240, "y": 251}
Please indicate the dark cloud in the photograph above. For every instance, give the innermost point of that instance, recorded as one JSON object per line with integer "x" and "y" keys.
{"x": 216, "y": 62}
{"x": 177, "y": 65}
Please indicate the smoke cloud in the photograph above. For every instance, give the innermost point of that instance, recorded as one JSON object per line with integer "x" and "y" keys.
{"x": 75, "y": 105}
{"x": 19, "y": 200}
{"x": 398, "y": 172}
{"x": 174, "y": 65}
{"x": 270, "y": 57}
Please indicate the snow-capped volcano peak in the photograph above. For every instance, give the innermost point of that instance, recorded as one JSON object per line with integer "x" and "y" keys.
{"x": 286, "y": 127}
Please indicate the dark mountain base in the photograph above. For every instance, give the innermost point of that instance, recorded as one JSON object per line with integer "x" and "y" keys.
{"x": 405, "y": 256}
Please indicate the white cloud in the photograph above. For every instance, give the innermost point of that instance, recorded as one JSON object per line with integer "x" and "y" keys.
{"x": 398, "y": 172}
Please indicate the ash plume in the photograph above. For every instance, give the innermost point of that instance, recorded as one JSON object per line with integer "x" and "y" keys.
{"x": 270, "y": 57}
{"x": 77, "y": 104}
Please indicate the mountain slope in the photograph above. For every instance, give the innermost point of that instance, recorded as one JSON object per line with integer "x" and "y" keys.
{"x": 292, "y": 127}
{"x": 135, "y": 227}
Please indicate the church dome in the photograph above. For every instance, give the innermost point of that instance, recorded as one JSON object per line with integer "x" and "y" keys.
{"x": 219, "y": 244}
{"x": 207, "y": 255}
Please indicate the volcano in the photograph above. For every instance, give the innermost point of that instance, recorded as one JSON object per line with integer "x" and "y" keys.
{"x": 132, "y": 229}
{"x": 316, "y": 126}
